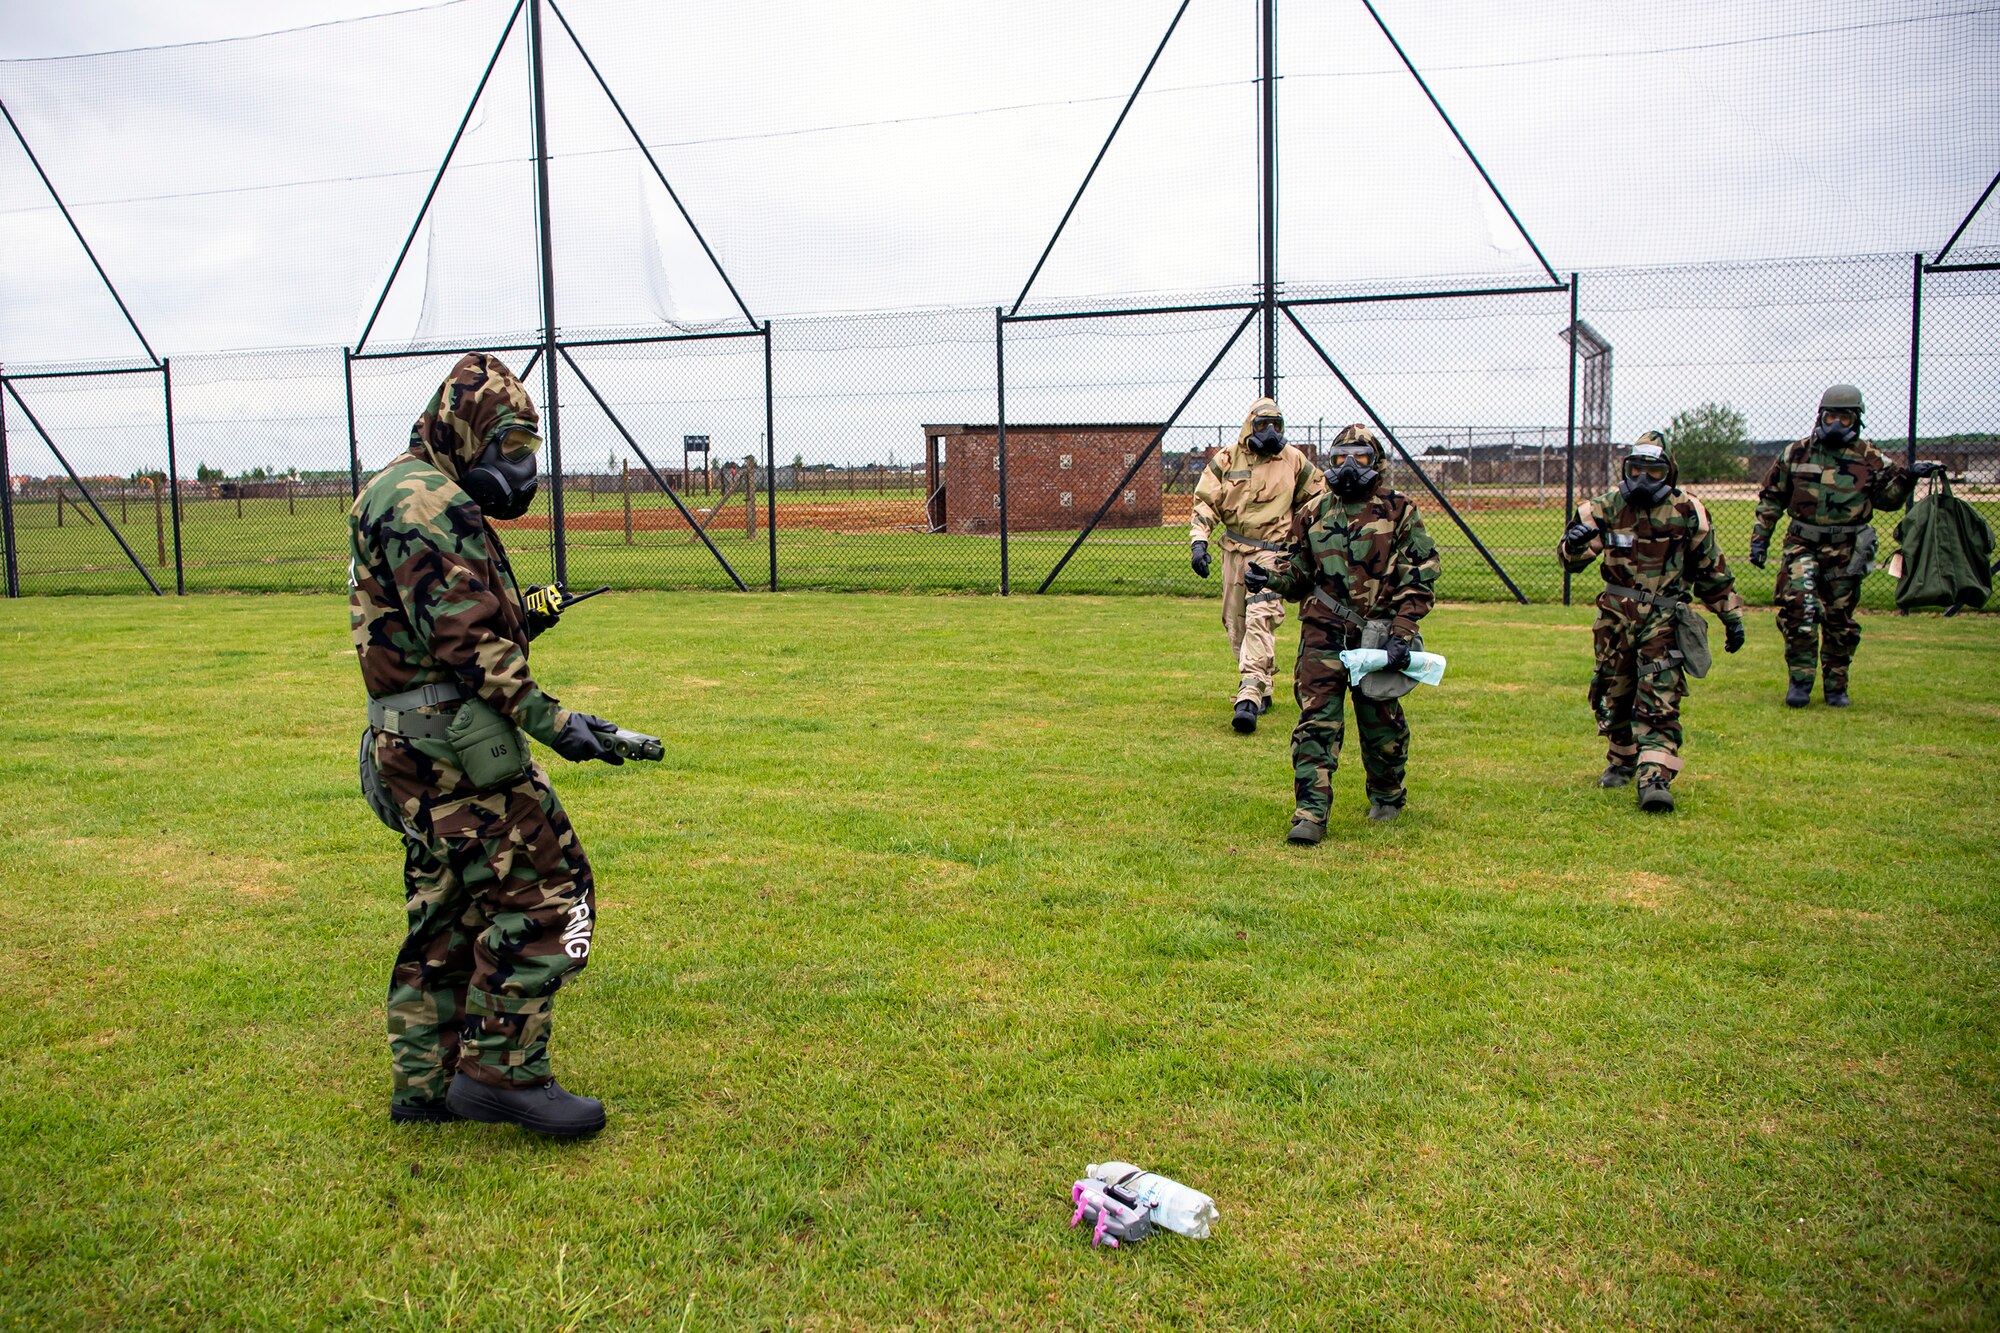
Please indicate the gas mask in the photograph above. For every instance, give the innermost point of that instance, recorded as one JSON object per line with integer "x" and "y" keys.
{"x": 1835, "y": 433}
{"x": 501, "y": 483}
{"x": 1645, "y": 484}
{"x": 1267, "y": 439}
{"x": 1352, "y": 475}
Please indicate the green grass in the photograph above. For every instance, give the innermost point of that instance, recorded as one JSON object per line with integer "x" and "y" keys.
{"x": 937, "y": 900}
{"x": 271, "y": 548}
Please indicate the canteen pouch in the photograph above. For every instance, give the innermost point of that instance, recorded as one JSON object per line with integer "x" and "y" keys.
{"x": 1386, "y": 684}
{"x": 1865, "y": 543}
{"x": 372, "y": 790}
{"x": 490, "y": 749}
{"x": 1691, "y": 638}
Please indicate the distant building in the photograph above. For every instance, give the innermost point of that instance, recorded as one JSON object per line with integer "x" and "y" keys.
{"x": 1057, "y": 476}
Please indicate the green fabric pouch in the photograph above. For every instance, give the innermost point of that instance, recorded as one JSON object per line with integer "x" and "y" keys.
{"x": 490, "y": 749}
{"x": 1691, "y": 638}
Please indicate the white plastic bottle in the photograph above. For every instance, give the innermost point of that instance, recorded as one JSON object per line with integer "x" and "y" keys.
{"x": 1173, "y": 1205}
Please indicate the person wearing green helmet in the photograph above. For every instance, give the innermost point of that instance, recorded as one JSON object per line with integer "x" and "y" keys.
{"x": 1830, "y": 483}
{"x": 1660, "y": 552}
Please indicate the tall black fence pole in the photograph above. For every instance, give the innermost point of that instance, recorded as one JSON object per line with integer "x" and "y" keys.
{"x": 551, "y": 402}
{"x": 7, "y": 498}
{"x": 1569, "y": 450}
{"x": 1916, "y": 351}
{"x": 173, "y": 475}
{"x": 353, "y": 439}
{"x": 770, "y": 462}
{"x": 1000, "y": 431}
{"x": 1268, "y": 222}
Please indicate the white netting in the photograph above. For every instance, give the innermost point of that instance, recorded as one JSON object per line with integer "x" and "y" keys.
{"x": 253, "y": 193}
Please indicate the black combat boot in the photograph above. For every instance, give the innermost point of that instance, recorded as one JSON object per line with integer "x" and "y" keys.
{"x": 1835, "y": 694}
{"x": 1615, "y": 775}
{"x": 426, "y": 1111}
{"x": 1799, "y": 695}
{"x": 1656, "y": 797}
{"x": 1245, "y": 718}
{"x": 1265, "y": 706}
{"x": 1383, "y": 814}
{"x": 1305, "y": 832}
{"x": 544, "y": 1108}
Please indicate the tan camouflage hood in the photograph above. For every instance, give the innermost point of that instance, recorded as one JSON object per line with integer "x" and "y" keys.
{"x": 479, "y": 402}
{"x": 1263, "y": 407}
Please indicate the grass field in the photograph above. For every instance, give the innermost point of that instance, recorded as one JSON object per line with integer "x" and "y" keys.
{"x": 301, "y": 547}
{"x": 938, "y": 899}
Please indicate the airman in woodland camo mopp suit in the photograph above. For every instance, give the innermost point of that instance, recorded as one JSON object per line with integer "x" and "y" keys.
{"x": 1365, "y": 567}
{"x": 499, "y": 891}
{"x": 1256, "y": 491}
{"x": 1658, "y": 544}
{"x": 1831, "y": 483}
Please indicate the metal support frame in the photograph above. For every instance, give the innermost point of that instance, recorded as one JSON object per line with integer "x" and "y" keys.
{"x": 1267, "y": 303}
{"x": 1098, "y": 161}
{"x": 551, "y": 404}
{"x": 1569, "y": 452}
{"x": 1963, "y": 223}
{"x": 77, "y": 231}
{"x": 551, "y": 344}
{"x": 155, "y": 364}
{"x": 770, "y": 462}
{"x": 647, "y": 151}
{"x": 1415, "y": 467}
{"x": 1267, "y": 222}
{"x": 1140, "y": 460}
{"x": 353, "y": 439}
{"x": 173, "y": 475}
{"x": 1469, "y": 154}
{"x": 84, "y": 490}
{"x": 423, "y": 210}
{"x": 1916, "y": 343}
{"x": 1000, "y": 426}
{"x": 13, "y": 570}
{"x": 619, "y": 426}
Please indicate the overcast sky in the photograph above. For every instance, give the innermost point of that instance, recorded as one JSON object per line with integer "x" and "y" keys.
{"x": 914, "y": 155}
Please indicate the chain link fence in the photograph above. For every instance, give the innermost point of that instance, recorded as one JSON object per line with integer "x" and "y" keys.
{"x": 878, "y": 466}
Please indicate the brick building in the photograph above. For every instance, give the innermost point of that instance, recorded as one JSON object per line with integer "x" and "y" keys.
{"x": 1057, "y": 476}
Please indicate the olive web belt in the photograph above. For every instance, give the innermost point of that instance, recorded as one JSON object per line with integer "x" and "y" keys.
{"x": 1640, "y": 595}
{"x": 396, "y": 713}
{"x": 1819, "y": 532}
{"x": 1251, "y": 541}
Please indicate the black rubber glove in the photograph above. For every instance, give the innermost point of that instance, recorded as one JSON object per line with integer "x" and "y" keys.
{"x": 1760, "y": 550}
{"x": 1925, "y": 468}
{"x": 1732, "y": 636}
{"x": 543, "y": 605}
{"x": 1399, "y": 653}
{"x": 1256, "y": 578}
{"x": 580, "y": 740}
{"x": 1577, "y": 535}
{"x": 1198, "y": 557}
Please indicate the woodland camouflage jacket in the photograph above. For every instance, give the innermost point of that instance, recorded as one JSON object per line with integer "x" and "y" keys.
{"x": 1669, "y": 549}
{"x": 1817, "y": 483}
{"x": 430, "y": 593}
{"x": 1372, "y": 555}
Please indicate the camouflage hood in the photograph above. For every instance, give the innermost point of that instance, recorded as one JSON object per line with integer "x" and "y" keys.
{"x": 1263, "y": 407}
{"x": 478, "y": 403}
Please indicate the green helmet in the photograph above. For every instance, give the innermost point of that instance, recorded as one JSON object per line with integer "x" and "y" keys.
{"x": 1841, "y": 398}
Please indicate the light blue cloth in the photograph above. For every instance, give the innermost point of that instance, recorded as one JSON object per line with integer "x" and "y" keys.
{"x": 1424, "y": 668}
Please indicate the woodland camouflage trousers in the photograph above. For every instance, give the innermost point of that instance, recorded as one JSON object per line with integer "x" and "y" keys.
{"x": 502, "y": 908}
{"x": 1320, "y": 684}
